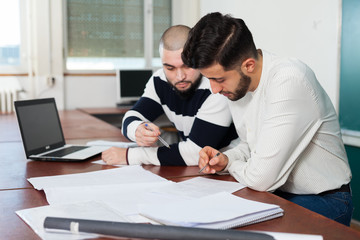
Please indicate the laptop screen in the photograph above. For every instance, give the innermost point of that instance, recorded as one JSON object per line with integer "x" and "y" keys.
{"x": 39, "y": 125}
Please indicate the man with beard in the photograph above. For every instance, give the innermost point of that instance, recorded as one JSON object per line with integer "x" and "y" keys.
{"x": 180, "y": 92}
{"x": 290, "y": 140}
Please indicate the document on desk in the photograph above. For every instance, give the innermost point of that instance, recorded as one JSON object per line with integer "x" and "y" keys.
{"x": 199, "y": 187}
{"x": 219, "y": 211}
{"x": 130, "y": 174}
{"x": 126, "y": 197}
{"x": 101, "y": 162}
{"x": 112, "y": 144}
{"x": 122, "y": 197}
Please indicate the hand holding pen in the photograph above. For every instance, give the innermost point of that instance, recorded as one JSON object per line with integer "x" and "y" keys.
{"x": 147, "y": 126}
{"x": 146, "y": 137}
{"x": 202, "y": 169}
{"x": 212, "y": 159}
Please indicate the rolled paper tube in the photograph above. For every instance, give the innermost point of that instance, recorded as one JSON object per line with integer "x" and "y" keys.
{"x": 148, "y": 231}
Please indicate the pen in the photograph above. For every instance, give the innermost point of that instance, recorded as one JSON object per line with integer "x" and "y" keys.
{"x": 209, "y": 162}
{"x": 160, "y": 138}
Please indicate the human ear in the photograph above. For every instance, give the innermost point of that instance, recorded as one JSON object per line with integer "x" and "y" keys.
{"x": 248, "y": 65}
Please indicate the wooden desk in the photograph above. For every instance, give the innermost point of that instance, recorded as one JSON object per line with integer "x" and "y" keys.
{"x": 9, "y": 129}
{"x": 12, "y": 226}
{"x": 295, "y": 220}
{"x": 16, "y": 193}
{"x": 114, "y": 116}
{"x": 110, "y": 110}
{"x": 78, "y": 128}
{"x": 15, "y": 169}
{"x": 79, "y": 125}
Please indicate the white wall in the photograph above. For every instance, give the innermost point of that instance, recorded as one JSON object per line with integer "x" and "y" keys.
{"x": 87, "y": 92}
{"x": 186, "y": 12}
{"x": 305, "y": 29}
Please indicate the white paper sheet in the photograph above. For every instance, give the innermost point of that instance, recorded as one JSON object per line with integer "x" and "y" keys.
{"x": 112, "y": 144}
{"x": 35, "y": 217}
{"x": 199, "y": 187}
{"x": 101, "y": 162}
{"x": 123, "y": 197}
{"x": 126, "y": 197}
{"x": 130, "y": 174}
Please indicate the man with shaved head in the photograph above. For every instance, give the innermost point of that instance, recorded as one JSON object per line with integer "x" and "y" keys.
{"x": 184, "y": 96}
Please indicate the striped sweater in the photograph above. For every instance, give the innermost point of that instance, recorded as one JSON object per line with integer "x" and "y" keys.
{"x": 202, "y": 120}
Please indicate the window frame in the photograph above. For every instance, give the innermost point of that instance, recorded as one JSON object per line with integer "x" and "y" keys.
{"x": 148, "y": 40}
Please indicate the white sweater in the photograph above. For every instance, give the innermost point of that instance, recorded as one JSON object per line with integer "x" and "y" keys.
{"x": 289, "y": 131}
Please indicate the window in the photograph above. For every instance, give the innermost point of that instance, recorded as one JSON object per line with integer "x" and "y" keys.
{"x": 11, "y": 47}
{"x": 110, "y": 34}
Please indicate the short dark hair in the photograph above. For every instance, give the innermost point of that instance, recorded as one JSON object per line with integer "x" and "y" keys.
{"x": 218, "y": 38}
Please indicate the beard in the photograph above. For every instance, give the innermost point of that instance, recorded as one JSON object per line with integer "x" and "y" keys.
{"x": 186, "y": 94}
{"x": 242, "y": 88}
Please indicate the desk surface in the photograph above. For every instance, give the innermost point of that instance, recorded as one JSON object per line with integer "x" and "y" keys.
{"x": 295, "y": 220}
{"x": 9, "y": 128}
{"x": 112, "y": 110}
{"x": 16, "y": 193}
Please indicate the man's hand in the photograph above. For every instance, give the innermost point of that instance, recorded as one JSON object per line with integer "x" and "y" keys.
{"x": 216, "y": 163}
{"x": 147, "y": 135}
{"x": 114, "y": 155}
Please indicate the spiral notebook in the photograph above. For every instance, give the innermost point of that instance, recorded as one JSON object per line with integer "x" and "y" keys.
{"x": 218, "y": 211}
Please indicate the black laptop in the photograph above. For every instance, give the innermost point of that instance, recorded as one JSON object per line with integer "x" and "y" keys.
{"x": 42, "y": 134}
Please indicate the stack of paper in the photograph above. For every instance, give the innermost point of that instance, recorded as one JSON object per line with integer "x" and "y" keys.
{"x": 135, "y": 195}
{"x": 220, "y": 211}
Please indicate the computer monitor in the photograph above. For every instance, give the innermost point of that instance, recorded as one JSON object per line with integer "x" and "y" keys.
{"x": 131, "y": 84}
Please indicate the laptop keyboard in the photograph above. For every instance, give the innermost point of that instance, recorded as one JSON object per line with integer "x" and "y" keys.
{"x": 65, "y": 151}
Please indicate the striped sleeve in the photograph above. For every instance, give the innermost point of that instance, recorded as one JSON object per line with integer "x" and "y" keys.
{"x": 212, "y": 126}
{"x": 147, "y": 108}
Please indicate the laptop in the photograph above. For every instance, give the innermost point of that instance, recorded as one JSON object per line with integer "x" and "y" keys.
{"x": 42, "y": 134}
